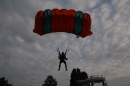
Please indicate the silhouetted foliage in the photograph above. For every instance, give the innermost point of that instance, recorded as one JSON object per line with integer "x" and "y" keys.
{"x": 84, "y": 75}
{"x": 50, "y": 81}
{"x": 4, "y": 82}
{"x": 77, "y": 75}
{"x": 73, "y": 78}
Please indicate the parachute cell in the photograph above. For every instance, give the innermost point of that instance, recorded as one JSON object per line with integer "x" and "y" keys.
{"x": 47, "y": 21}
{"x": 39, "y": 21}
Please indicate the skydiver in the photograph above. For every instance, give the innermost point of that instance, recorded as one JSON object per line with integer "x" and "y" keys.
{"x": 62, "y": 57}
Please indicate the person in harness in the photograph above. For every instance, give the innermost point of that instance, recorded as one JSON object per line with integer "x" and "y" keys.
{"x": 62, "y": 58}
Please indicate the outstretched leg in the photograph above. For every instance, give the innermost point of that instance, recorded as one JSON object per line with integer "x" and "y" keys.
{"x": 65, "y": 65}
{"x": 59, "y": 65}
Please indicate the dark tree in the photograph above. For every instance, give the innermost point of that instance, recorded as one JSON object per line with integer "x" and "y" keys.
{"x": 73, "y": 78}
{"x": 84, "y": 75}
{"x": 77, "y": 75}
{"x": 4, "y": 82}
{"x": 50, "y": 81}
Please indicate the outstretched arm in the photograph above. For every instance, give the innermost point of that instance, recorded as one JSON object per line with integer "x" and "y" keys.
{"x": 66, "y": 51}
{"x": 58, "y": 51}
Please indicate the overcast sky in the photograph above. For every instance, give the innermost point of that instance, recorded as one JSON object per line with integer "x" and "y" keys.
{"x": 27, "y": 59}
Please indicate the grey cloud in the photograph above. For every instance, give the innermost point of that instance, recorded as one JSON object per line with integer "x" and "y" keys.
{"x": 27, "y": 58}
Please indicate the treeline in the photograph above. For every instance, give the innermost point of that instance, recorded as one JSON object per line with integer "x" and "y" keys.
{"x": 76, "y": 74}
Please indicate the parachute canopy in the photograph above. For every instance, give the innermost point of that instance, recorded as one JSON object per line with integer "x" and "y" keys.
{"x": 63, "y": 20}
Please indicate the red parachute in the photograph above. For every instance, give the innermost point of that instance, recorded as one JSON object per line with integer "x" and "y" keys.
{"x": 63, "y": 20}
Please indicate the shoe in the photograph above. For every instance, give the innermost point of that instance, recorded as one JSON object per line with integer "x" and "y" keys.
{"x": 59, "y": 69}
{"x": 66, "y": 69}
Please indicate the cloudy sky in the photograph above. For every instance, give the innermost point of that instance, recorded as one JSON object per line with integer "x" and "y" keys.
{"x": 27, "y": 59}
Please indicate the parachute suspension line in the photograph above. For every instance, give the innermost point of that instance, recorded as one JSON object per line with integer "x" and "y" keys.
{"x": 53, "y": 42}
{"x": 70, "y": 41}
{"x": 68, "y": 46}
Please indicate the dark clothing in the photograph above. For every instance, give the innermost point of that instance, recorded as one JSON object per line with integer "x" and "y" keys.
{"x": 62, "y": 58}
{"x": 64, "y": 63}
